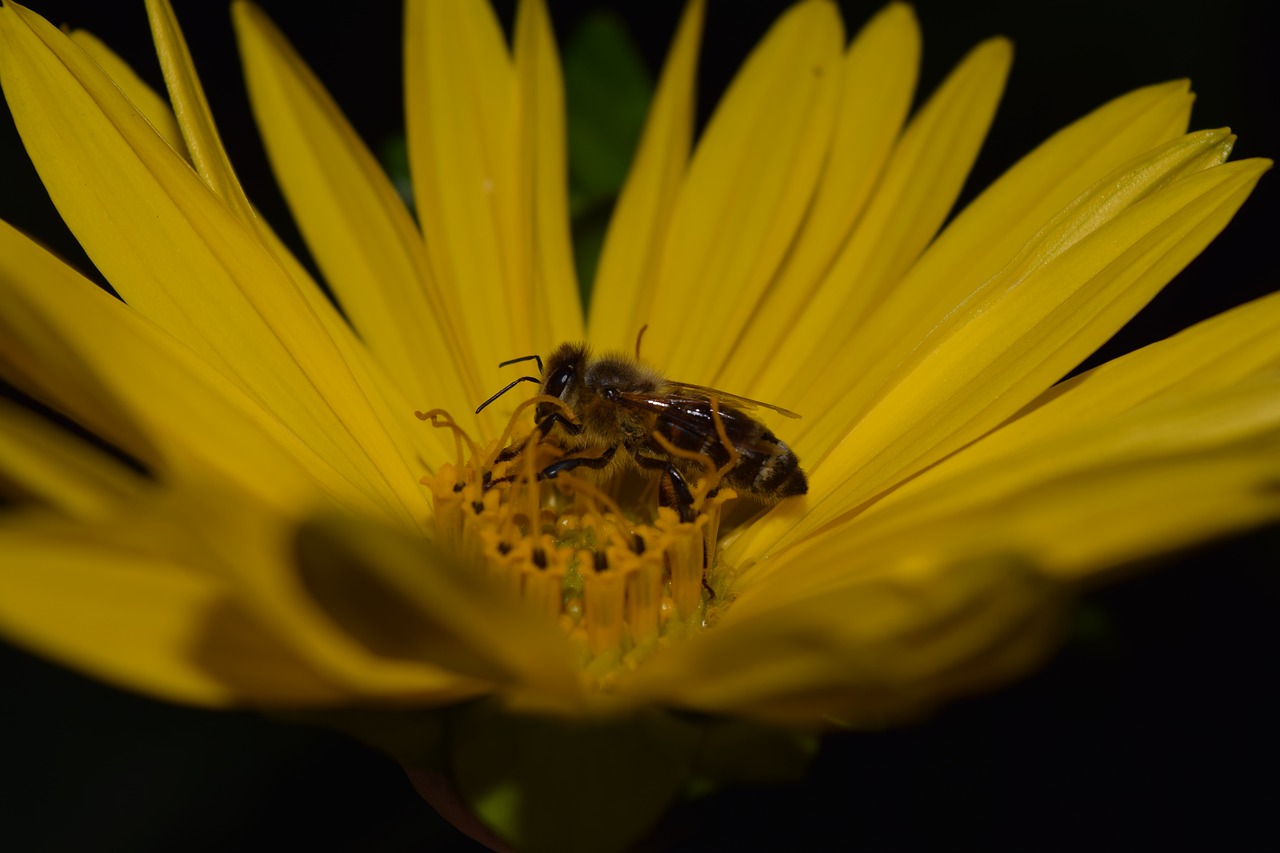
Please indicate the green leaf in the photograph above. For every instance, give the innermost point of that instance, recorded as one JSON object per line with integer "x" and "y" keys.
{"x": 607, "y": 90}
{"x": 607, "y": 94}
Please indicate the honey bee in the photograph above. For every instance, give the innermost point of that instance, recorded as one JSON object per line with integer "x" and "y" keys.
{"x": 620, "y": 405}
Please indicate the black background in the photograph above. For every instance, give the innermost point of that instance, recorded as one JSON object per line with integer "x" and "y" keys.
{"x": 1155, "y": 726}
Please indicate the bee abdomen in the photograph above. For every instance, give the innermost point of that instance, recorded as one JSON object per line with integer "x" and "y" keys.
{"x": 780, "y": 475}
{"x": 773, "y": 477}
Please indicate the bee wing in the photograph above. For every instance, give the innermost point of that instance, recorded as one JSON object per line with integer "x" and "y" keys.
{"x": 689, "y": 420}
{"x": 687, "y": 389}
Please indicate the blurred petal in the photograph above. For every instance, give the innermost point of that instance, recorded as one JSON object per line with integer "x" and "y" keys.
{"x": 405, "y": 599}
{"x": 40, "y": 462}
{"x": 266, "y": 560}
{"x": 886, "y": 644}
{"x": 122, "y": 600}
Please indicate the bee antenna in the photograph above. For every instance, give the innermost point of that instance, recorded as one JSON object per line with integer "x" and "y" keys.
{"x": 639, "y": 338}
{"x": 536, "y": 358}
{"x": 510, "y": 385}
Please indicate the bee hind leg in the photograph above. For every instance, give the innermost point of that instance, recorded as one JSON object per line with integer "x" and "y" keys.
{"x": 673, "y": 491}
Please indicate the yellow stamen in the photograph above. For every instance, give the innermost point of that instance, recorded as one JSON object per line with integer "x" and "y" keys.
{"x": 621, "y": 576}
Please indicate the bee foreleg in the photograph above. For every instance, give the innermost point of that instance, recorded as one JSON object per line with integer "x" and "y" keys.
{"x": 512, "y": 452}
{"x": 597, "y": 462}
{"x": 548, "y": 423}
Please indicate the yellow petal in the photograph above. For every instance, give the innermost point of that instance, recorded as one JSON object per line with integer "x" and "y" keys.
{"x": 919, "y": 185}
{"x": 215, "y": 169}
{"x": 1210, "y": 356}
{"x": 459, "y": 87}
{"x": 1028, "y": 326}
{"x": 405, "y": 599}
{"x": 878, "y": 80}
{"x": 1169, "y": 473}
{"x": 262, "y": 556}
{"x": 192, "y": 110}
{"x": 548, "y": 299}
{"x": 153, "y": 107}
{"x": 177, "y": 254}
{"x": 119, "y": 601}
{"x": 41, "y": 462}
{"x": 992, "y": 229}
{"x": 749, "y": 185}
{"x": 360, "y": 233}
{"x": 629, "y": 258}
{"x": 883, "y": 646}
{"x": 67, "y": 343}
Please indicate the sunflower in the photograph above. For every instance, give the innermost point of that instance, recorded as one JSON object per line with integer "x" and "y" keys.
{"x": 279, "y": 531}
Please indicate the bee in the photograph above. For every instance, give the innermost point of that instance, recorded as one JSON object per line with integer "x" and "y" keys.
{"x": 620, "y": 405}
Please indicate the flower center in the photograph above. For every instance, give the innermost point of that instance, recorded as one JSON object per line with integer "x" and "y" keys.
{"x": 620, "y": 574}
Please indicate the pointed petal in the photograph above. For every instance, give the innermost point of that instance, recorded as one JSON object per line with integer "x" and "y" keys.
{"x": 887, "y": 645}
{"x": 555, "y": 312}
{"x": 1175, "y": 471}
{"x": 361, "y": 235}
{"x": 215, "y": 169}
{"x": 1081, "y": 424}
{"x": 192, "y": 108}
{"x": 70, "y": 345}
{"x": 920, "y": 183}
{"x": 119, "y": 601}
{"x": 638, "y": 227}
{"x": 148, "y": 222}
{"x": 993, "y": 228}
{"x": 1082, "y": 278}
{"x": 1212, "y": 355}
{"x": 459, "y": 86}
{"x": 749, "y": 185}
{"x": 878, "y": 80}
{"x": 154, "y": 108}
{"x": 41, "y": 462}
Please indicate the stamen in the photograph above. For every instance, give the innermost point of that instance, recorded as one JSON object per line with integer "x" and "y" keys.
{"x": 621, "y": 577}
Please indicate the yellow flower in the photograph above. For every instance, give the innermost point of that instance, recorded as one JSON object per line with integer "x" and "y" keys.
{"x": 299, "y": 541}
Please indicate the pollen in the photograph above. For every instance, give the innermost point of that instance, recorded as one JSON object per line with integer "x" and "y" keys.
{"x": 620, "y": 574}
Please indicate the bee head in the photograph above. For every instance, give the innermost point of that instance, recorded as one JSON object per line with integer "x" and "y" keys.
{"x": 560, "y": 379}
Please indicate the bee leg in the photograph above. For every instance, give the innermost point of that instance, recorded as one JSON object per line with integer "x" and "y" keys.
{"x": 546, "y": 424}
{"x": 550, "y": 472}
{"x": 512, "y": 452}
{"x": 673, "y": 491}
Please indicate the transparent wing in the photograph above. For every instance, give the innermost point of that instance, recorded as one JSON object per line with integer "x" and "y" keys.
{"x": 688, "y": 390}
{"x": 689, "y": 421}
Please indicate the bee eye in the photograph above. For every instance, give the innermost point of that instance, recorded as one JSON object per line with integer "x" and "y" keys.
{"x": 557, "y": 382}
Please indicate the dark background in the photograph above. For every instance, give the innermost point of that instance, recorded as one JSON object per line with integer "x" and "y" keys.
{"x": 1153, "y": 725}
